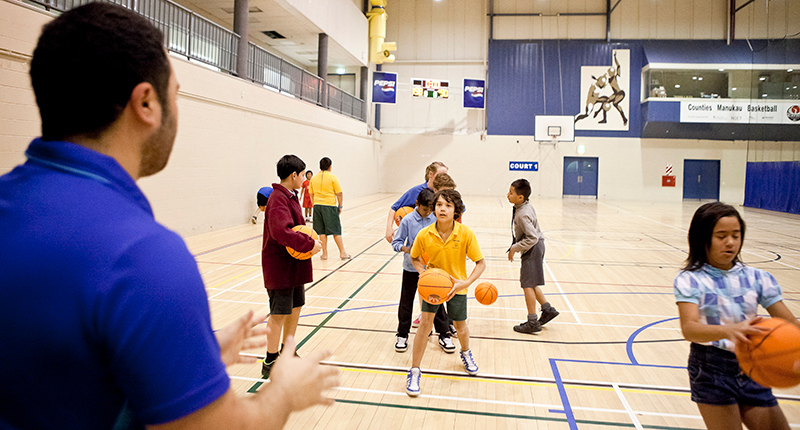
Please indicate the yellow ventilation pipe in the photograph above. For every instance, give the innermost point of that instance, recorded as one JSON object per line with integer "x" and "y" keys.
{"x": 379, "y": 51}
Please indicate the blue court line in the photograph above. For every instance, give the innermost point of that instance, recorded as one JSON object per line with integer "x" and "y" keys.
{"x": 563, "y": 393}
{"x": 573, "y": 425}
{"x": 629, "y": 344}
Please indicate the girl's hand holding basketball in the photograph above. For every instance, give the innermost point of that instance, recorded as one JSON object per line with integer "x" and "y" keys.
{"x": 738, "y": 332}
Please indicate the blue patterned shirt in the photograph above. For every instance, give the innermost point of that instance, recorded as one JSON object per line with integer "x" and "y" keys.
{"x": 727, "y": 296}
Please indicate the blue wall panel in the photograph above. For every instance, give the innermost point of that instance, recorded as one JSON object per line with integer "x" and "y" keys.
{"x": 519, "y": 88}
{"x": 773, "y": 185}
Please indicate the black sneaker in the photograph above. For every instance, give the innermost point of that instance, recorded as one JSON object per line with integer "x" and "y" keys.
{"x": 447, "y": 345}
{"x": 528, "y": 327}
{"x": 547, "y": 315}
{"x": 266, "y": 368}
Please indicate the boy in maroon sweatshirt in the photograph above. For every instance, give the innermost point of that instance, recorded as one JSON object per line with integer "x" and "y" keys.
{"x": 285, "y": 276}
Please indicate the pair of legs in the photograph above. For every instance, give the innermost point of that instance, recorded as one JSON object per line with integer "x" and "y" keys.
{"x": 284, "y": 307}
{"x": 733, "y": 416}
{"x": 307, "y": 212}
{"x": 532, "y": 296}
{"x": 327, "y": 223}
{"x": 405, "y": 309}
{"x": 421, "y": 338}
{"x": 339, "y": 243}
{"x": 726, "y": 397}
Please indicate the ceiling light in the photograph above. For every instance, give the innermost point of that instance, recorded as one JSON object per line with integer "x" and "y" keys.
{"x": 700, "y": 78}
{"x": 677, "y": 86}
{"x": 721, "y": 70}
{"x": 733, "y": 89}
{"x": 763, "y": 78}
{"x": 694, "y": 78}
{"x": 763, "y": 95}
{"x": 340, "y": 71}
{"x": 790, "y": 70}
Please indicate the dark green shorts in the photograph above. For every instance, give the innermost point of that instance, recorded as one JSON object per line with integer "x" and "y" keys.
{"x": 326, "y": 220}
{"x": 456, "y": 307}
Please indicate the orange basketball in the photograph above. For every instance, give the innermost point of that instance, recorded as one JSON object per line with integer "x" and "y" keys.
{"x": 486, "y": 293}
{"x": 770, "y": 357}
{"x": 434, "y": 283}
{"x": 400, "y": 213}
{"x": 309, "y": 231}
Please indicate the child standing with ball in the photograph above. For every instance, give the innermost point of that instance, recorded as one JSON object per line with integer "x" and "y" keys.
{"x": 718, "y": 298}
{"x": 448, "y": 244}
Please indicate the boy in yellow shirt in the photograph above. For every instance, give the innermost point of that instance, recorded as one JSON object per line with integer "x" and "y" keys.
{"x": 448, "y": 244}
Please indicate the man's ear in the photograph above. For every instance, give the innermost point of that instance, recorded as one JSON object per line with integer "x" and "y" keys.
{"x": 144, "y": 104}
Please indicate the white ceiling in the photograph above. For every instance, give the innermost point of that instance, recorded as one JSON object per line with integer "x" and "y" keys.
{"x": 301, "y": 41}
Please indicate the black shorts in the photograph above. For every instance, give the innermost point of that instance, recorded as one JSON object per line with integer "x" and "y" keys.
{"x": 281, "y": 302}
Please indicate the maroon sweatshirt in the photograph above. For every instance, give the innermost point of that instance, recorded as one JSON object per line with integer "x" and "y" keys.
{"x": 280, "y": 269}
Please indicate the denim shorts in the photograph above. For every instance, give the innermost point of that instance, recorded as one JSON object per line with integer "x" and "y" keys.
{"x": 716, "y": 379}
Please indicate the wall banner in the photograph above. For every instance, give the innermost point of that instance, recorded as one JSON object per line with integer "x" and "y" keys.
{"x": 384, "y": 87}
{"x": 741, "y": 112}
{"x": 474, "y": 90}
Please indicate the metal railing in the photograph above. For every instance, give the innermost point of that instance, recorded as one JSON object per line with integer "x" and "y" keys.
{"x": 197, "y": 38}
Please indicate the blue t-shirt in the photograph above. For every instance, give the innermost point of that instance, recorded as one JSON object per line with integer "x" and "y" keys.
{"x": 410, "y": 197}
{"x": 100, "y": 303}
{"x": 727, "y": 296}
{"x": 410, "y": 226}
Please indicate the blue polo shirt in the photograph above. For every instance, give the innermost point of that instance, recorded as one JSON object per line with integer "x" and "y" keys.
{"x": 410, "y": 226}
{"x": 100, "y": 303}
{"x": 410, "y": 197}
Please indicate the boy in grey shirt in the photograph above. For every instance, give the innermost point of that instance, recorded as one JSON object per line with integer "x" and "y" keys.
{"x": 528, "y": 240}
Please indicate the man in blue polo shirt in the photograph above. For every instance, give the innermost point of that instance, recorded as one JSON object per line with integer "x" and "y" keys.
{"x": 102, "y": 306}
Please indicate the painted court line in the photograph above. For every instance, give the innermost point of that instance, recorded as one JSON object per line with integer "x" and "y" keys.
{"x": 627, "y": 407}
{"x": 569, "y": 305}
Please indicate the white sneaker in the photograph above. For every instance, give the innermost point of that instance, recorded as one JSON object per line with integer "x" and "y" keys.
{"x": 447, "y": 345}
{"x": 469, "y": 363}
{"x": 412, "y": 382}
{"x": 402, "y": 344}
{"x": 415, "y": 323}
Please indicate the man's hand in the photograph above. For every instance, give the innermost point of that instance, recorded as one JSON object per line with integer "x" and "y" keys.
{"x": 511, "y": 253}
{"x": 303, "y": 381}
{"x": 247, "y": 332}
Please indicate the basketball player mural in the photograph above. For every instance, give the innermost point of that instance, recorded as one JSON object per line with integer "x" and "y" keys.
{"x": 596, "y": 103}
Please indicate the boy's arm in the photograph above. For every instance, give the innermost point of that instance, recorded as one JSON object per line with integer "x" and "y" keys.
{"x": 459, "y": 285}
{"x": 400, "y": 238}
{"x": 529, "y": 240}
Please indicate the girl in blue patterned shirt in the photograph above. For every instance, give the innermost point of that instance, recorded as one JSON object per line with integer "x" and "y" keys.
{"x": 718, "y": 298}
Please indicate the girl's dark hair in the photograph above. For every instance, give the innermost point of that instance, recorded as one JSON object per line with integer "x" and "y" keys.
{"x": 451, "y": 196}
{"x": 425, "y": 197}
{"x": 701, "y": 230}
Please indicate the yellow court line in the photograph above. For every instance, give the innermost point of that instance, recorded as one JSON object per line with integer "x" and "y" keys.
{"x": 571, "y": 248}
{"x": 235, "y": 277}
{"x": 535, "y": 384}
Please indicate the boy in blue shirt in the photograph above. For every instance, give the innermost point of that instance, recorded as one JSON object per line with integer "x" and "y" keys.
{"x": 402, "y": 242}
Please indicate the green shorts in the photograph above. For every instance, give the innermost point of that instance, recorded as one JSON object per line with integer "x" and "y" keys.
{"x": 456, "y": 307}
{"x": 326, "y": 220}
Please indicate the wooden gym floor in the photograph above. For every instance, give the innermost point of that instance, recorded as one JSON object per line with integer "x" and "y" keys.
{"x": 614, "y": 358}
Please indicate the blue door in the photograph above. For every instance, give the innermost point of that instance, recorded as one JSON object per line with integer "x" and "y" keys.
{"x": 580, "y": 176}
{"x": 701, "y": 179}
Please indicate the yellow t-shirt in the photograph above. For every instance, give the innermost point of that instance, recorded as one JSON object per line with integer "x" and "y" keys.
{"x": 324, "y": 186}
{"x": 450, "y": 256}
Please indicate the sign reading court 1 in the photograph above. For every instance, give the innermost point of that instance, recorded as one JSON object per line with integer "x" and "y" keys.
{"x": 531, "y": 166}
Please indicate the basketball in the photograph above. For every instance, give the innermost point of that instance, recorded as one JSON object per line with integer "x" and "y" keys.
{"x": 400, "y": 213}
{"x": 434, "y": 283}
{"x": 769, "y": 358}
{"x": 309, "y": 231}
{"x": 486, "y": 293}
